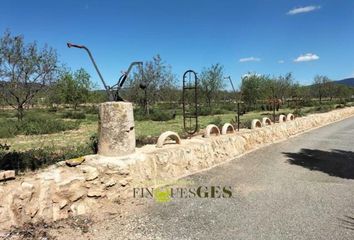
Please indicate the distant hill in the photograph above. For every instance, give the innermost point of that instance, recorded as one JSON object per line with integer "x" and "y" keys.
{"x": 347, "y": 81}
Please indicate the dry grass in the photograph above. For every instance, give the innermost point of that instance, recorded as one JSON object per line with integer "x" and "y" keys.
{"x": 55, "y": 140}
{"x": 89, "y": 127}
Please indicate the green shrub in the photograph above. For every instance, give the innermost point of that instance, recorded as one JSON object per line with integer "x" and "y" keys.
{"x": 33, "y": 125}
{"x": 7, "y": 114}
{"x": 144, "y": 140}
{"x": 74, "y": 115}
{"x": 91, "y": 110}
{"x": 38, "y": 158}
{"x": 299, "y": 113}
{"x": 217, "y": 121}
{"x": 93, "y": 143}
{"x": 229, "y": 107}
{"x": 139, "y": 115}
{"x": 158, "y": 115}
{"x": 41, "y": 125}
{"x": 203, "y": 111}
{"x": 52, "y": 109}
{"x": 155, "y": 115}
{"x": 218, "y": 111}
{"x": 310, "y": 103}
{"x": 246, "y": 124}
{"x": 8, "y": 128}
{"x": 324, "y": 108}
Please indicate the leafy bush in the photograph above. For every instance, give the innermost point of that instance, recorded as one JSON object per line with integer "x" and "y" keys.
{"x": 204, "y": 111}
{"x": 33, "y": 125}
{"x": 7, "y": 114}
{"x": 246, "y": 124}
{"x": 324, "y": 108}
{"x": 74, "y": 115}
{"x": 299, "y": 113}
{"x": 38, "y": 158}
{"x": 8, "y": 128}
{"x": 310, "y": 103}
{"x": 219, "y": 111}
{"x": 139, "y": 115}
{"x": 155, "y": 115}
{"x": 143, "y": 140}
{"x": 91, "y": 110}
{"x": 230, "y": 107}
{"x": 93, "y": 143}
{"x": 40, "y": 125}
{"x": 217, "y": 121}
{"x": 158, "y": 115}
{"x": 340, "y": 106}
{"x": 52, "y": 109}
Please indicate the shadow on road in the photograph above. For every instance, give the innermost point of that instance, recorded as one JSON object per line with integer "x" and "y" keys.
{"x": 347, "y": 222}
{"x": 336, "y": 163}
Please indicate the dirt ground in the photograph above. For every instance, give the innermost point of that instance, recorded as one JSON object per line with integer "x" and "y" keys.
{"x": 81, "y": 227}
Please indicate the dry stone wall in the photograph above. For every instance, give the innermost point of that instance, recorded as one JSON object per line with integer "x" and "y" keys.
{"x": 99, "y": 183}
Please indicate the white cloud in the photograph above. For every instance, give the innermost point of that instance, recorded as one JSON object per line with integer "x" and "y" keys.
{"x": 307, "y": 57}
{"x": 303, "y": 10}
{"x": 246, "y": 75}
{"x": 281, "y": 61}
{"x": 250, "y": 59}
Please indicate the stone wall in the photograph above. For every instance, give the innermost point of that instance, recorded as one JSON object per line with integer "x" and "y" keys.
{"x": 100, "y": 183}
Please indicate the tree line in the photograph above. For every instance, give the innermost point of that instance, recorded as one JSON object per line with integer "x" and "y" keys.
{"x": 31, "y": 75}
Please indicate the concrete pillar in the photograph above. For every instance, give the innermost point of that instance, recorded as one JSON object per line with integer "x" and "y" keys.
{"x": 116, "y": 130}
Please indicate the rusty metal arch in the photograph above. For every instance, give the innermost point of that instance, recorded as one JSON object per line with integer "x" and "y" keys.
{"x": 190, "y": 113}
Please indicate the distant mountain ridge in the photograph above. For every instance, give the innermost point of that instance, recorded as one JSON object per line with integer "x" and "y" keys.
{"x": 348, "y": 81}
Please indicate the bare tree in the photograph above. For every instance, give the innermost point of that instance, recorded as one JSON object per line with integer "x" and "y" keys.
{"x": 212, "y": 82}
{"x": 25, "y": 70}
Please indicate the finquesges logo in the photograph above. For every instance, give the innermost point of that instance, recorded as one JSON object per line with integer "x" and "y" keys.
{"x": 167, "y": 194}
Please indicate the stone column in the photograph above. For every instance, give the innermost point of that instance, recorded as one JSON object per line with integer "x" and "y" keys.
{"x": 116, "y": 130}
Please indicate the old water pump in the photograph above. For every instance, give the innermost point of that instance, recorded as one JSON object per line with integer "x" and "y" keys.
{"x": 113, "y": 91}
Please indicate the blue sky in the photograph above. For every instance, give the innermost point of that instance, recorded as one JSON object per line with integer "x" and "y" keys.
{"x": 264, "y": 36}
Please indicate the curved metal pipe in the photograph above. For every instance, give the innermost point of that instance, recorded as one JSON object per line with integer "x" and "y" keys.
{"x": 70, "y": 45}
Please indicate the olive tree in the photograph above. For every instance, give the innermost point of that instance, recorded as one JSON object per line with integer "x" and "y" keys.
{"x": 253, "y": 88}
{"x": 211, "y": 81}
{"x": 158, "y": 84}
{"x": 319, "y": 87}
{"x": 73, "y": 88}
{"x": 25, "y": 70}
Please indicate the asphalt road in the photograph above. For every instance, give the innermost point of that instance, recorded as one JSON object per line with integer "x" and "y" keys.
{"x": 302, "y": 188}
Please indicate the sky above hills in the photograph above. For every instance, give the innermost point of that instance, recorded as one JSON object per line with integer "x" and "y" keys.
{"x": 263, "y": 36}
